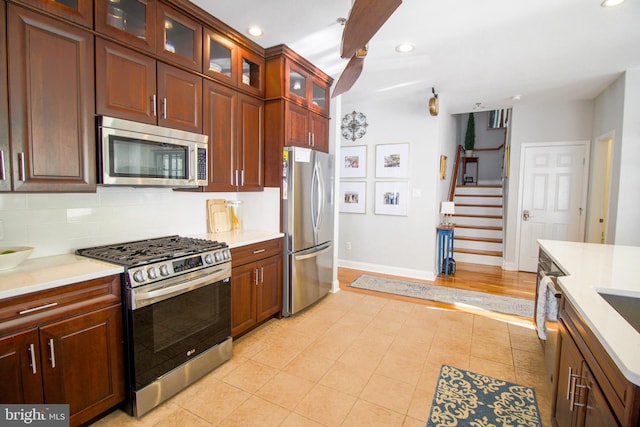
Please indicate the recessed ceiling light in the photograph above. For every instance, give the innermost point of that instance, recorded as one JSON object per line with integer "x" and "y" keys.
{"x": 516, "y": 97}
{"x": 611, "y": 3}
{"x": 255, "y": 31}
{"x": 405, "y": 48}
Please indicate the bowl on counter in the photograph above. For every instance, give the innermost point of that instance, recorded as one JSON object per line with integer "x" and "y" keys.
{"x": 13, "y": 256}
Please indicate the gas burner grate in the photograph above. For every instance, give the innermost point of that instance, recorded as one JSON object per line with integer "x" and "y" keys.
{"x": 147, "y": 251}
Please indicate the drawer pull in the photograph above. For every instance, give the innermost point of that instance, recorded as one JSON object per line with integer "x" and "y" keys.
{"x": 52, "y": 353}
{"x": 42, "y": 307}
{"x": 32, "y": 353}
{"x": 259, "y": 251}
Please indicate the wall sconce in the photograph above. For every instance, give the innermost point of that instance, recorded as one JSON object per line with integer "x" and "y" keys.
{"x": 447, "y": 209}
{"x": 433, "y": 103}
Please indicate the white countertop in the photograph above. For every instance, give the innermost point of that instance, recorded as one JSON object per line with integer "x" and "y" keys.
{"x": 38, "y": 274}
{"x": 613, "y": 269}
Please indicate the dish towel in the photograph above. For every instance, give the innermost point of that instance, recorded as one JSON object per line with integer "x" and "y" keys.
{"x": 546, "y": 306}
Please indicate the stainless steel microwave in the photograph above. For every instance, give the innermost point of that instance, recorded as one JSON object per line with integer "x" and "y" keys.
{"x": 141, "y": 155}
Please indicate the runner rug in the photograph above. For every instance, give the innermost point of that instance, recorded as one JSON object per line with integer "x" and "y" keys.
{"x": 464, "y": 398}
{"x": 498, "y": 303}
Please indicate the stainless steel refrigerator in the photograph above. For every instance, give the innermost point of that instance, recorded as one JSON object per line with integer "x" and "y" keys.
{"x": 308, "y": 200}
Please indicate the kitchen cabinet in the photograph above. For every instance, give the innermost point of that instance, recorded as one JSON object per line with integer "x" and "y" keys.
{"x": 234, "y": 124}
{"x": 178, "y": 38}
{"x": 78, "y": 11}
{"x": 256, "y": 284}
{"x": 51, "y": 103}
{"x": 5, "y": 154}
{"x": 64, "y": 345}
{"x": 229, "y": 63}
{"x": 591, "y": 391}
{"x": 130, "y": 21}
{"x": 136, "y": 87}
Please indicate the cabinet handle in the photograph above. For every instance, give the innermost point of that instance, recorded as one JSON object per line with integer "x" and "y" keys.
{"x": 569, "y": 382}
{"x": 261, "y": 274}
{"x": 309, "y": 138}
{"x": 2, "y": 172}
{"x": 313, "y": 139}
{"x": 52, "y": 353}
{"x": 584, "y": 387}
{"x": 32, "y": 354}
{"x": 235, "y": 181}
{"x": 41, "y": 307}
{"x": 242, "y": 177}
{"x": 21, "y": 171}
{"x": 154, "y": 106}
{"x": 164, "y": 108}
{"x": 259, "y": 251}
{"x": 256, "y": 280}
{"x": 572, "y": 401}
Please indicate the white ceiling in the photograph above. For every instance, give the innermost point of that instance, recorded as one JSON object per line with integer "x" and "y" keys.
{"x": 471, "y": 51}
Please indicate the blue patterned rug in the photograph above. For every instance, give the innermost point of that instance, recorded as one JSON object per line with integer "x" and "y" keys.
{"x": 465, "y": 398}
{"x": 460, "y": 297}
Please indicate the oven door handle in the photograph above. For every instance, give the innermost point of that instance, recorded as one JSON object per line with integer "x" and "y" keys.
{"x": 142, "y": 299}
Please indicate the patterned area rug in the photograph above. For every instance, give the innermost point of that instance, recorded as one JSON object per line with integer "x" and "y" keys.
{"x": 464, "y": 398}
{"x": 498, "y": 303}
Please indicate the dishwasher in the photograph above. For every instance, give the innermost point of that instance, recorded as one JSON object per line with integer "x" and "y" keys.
{"x": 546, "y": 313}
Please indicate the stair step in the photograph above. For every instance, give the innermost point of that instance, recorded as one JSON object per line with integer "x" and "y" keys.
{"x": 466, "y": 215}
{"x": 479, "y": 239}
{"x": 478, "y": 221}
{"x": 478, "y": 259}
{"x": 479, "y": 227}
{"x": 474, "y": 205}
{"x": 477, "y": 252}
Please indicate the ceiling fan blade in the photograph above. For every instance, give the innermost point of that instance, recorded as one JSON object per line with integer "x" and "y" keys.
{"x": 349, "y": 76}
{"x": 365, "y": 19}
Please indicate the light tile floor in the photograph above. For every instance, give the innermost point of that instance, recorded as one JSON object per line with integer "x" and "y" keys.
{"x": 351, "y": 360}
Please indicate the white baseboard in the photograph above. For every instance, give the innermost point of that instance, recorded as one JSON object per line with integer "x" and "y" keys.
{"x": 386, "y": 269}
{"x": 510, "y": 266}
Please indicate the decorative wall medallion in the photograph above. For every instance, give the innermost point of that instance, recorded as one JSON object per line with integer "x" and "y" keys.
{"x": 354, "y": 126}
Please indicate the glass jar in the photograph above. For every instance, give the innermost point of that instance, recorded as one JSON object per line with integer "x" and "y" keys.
{"x": 235, "y": 214}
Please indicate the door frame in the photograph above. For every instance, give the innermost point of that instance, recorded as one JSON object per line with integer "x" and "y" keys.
{"x": 598, "y": 160}
{"x": 585, "y": 190}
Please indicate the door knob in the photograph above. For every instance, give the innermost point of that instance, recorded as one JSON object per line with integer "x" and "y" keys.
{"x": 526, "y": 216}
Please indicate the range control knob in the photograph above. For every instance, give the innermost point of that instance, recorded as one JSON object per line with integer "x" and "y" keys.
{"x": 208, "y": 258}
{"x": 227, "y": 254}
{"x": 138, "y": 276}
{"x": 152, "y": 273}
{"x": 218, "y": 255}
{"x": 164, "y": 270}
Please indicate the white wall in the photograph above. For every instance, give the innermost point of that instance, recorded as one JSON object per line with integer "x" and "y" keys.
{"x": 531, "y": 123}
{"x": 401, "y": 245}
{"x": 57, "y": 223}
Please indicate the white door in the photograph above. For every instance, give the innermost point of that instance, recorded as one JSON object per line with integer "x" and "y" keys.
{"x": 599, "y": 191}
{"x": 554, "y": 183}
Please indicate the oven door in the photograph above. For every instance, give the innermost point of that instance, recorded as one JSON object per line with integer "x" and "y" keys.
{"x": 168, "y": 324}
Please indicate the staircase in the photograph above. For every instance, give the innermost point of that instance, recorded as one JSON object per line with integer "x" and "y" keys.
{"x": 478, "y": 224}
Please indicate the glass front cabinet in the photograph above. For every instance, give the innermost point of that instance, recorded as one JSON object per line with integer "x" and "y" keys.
{"x": 78, "y": 11}
{"x": 132, "y": 21}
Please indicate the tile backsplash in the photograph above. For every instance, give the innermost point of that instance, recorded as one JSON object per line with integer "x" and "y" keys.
{"x": 57, "y": 223}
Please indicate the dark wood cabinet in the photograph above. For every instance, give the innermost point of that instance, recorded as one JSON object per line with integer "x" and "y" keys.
{"x": 131, "y": 21}
{"x": 51, "y": 100}
{"x": 234, "y": 124}
{"x": 178, "y": 38}
{"x": 256, "y": 284}
{"x": 64, "y": 345}
{"x": 78, "y": 11}
{"x": 591, "y": 390}
{"x": 136, "y": 87}
{"x": 5, "y": 153}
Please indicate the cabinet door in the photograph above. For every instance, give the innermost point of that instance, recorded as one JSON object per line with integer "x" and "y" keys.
{"x": 220, "y": 58}
{"x": 597, "y": 411}
{"x": 78, "y": 11}
{"x": 125, "y": 83}
{"x": 179, "y": 38}
{"x": 220, "y": 120}
{"x": 20, "y": 368}
{"x": 269, "y": 296}
{"x": 251, "y": 143}
{"x": 5, "y": 156}
{"x": 130, "y": 21}
{"x": 52, "y": 103}
{"x": 569, "y": 367}
{"x": 83, "y": 364}
{"x": 296, "y": 83}
{"x": 297, "y": 126}
{"x": 319, "y": 96}
{"x": 179, "y": 99}
{"x": 252, "y": 72}
{"x": 319, "y": 127}
{"x": 243, "y": 298}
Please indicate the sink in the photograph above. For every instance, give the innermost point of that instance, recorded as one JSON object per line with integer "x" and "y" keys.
{"x": 627, "y": 305}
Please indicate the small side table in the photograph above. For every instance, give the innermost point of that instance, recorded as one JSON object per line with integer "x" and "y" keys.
{"x": 465, "y": 162}
{"x": 445, "y": 248}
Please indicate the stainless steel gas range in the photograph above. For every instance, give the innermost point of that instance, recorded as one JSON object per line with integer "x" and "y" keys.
{"x": 177, "y": 313}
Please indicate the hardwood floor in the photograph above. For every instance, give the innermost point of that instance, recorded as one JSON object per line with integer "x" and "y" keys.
{"x": 472, "y": 277}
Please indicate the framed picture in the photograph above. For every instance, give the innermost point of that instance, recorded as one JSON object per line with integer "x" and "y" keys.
{"x": 392, "y": 198}
{"x": 353, "y": 162}
{"x": 353, "y": 197}
{"x": 392, "y": 161}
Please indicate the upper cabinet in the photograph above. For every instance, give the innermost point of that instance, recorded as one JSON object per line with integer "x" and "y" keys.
{"x": 51, "y": 100}
{"x": 5, "y": 157}
{"x": 78, "y": 11}
{"x": 178, "y": 38}
{"x": 131, "y": 21}
{"x": 229, "y": 63}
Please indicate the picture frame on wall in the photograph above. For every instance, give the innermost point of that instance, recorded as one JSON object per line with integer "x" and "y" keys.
{"x": 392, "y": 198}
{"x": 353, "y": 197}
{"x": 353, "y": 162}
{"x": 392, "y": 161}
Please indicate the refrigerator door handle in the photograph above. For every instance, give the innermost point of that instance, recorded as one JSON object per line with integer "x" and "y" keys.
{"x": 313, "y": 252}
{"x": 317, "y": 198}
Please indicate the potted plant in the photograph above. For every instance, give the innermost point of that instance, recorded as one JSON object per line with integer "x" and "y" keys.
{"x": 470, "y": 136}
